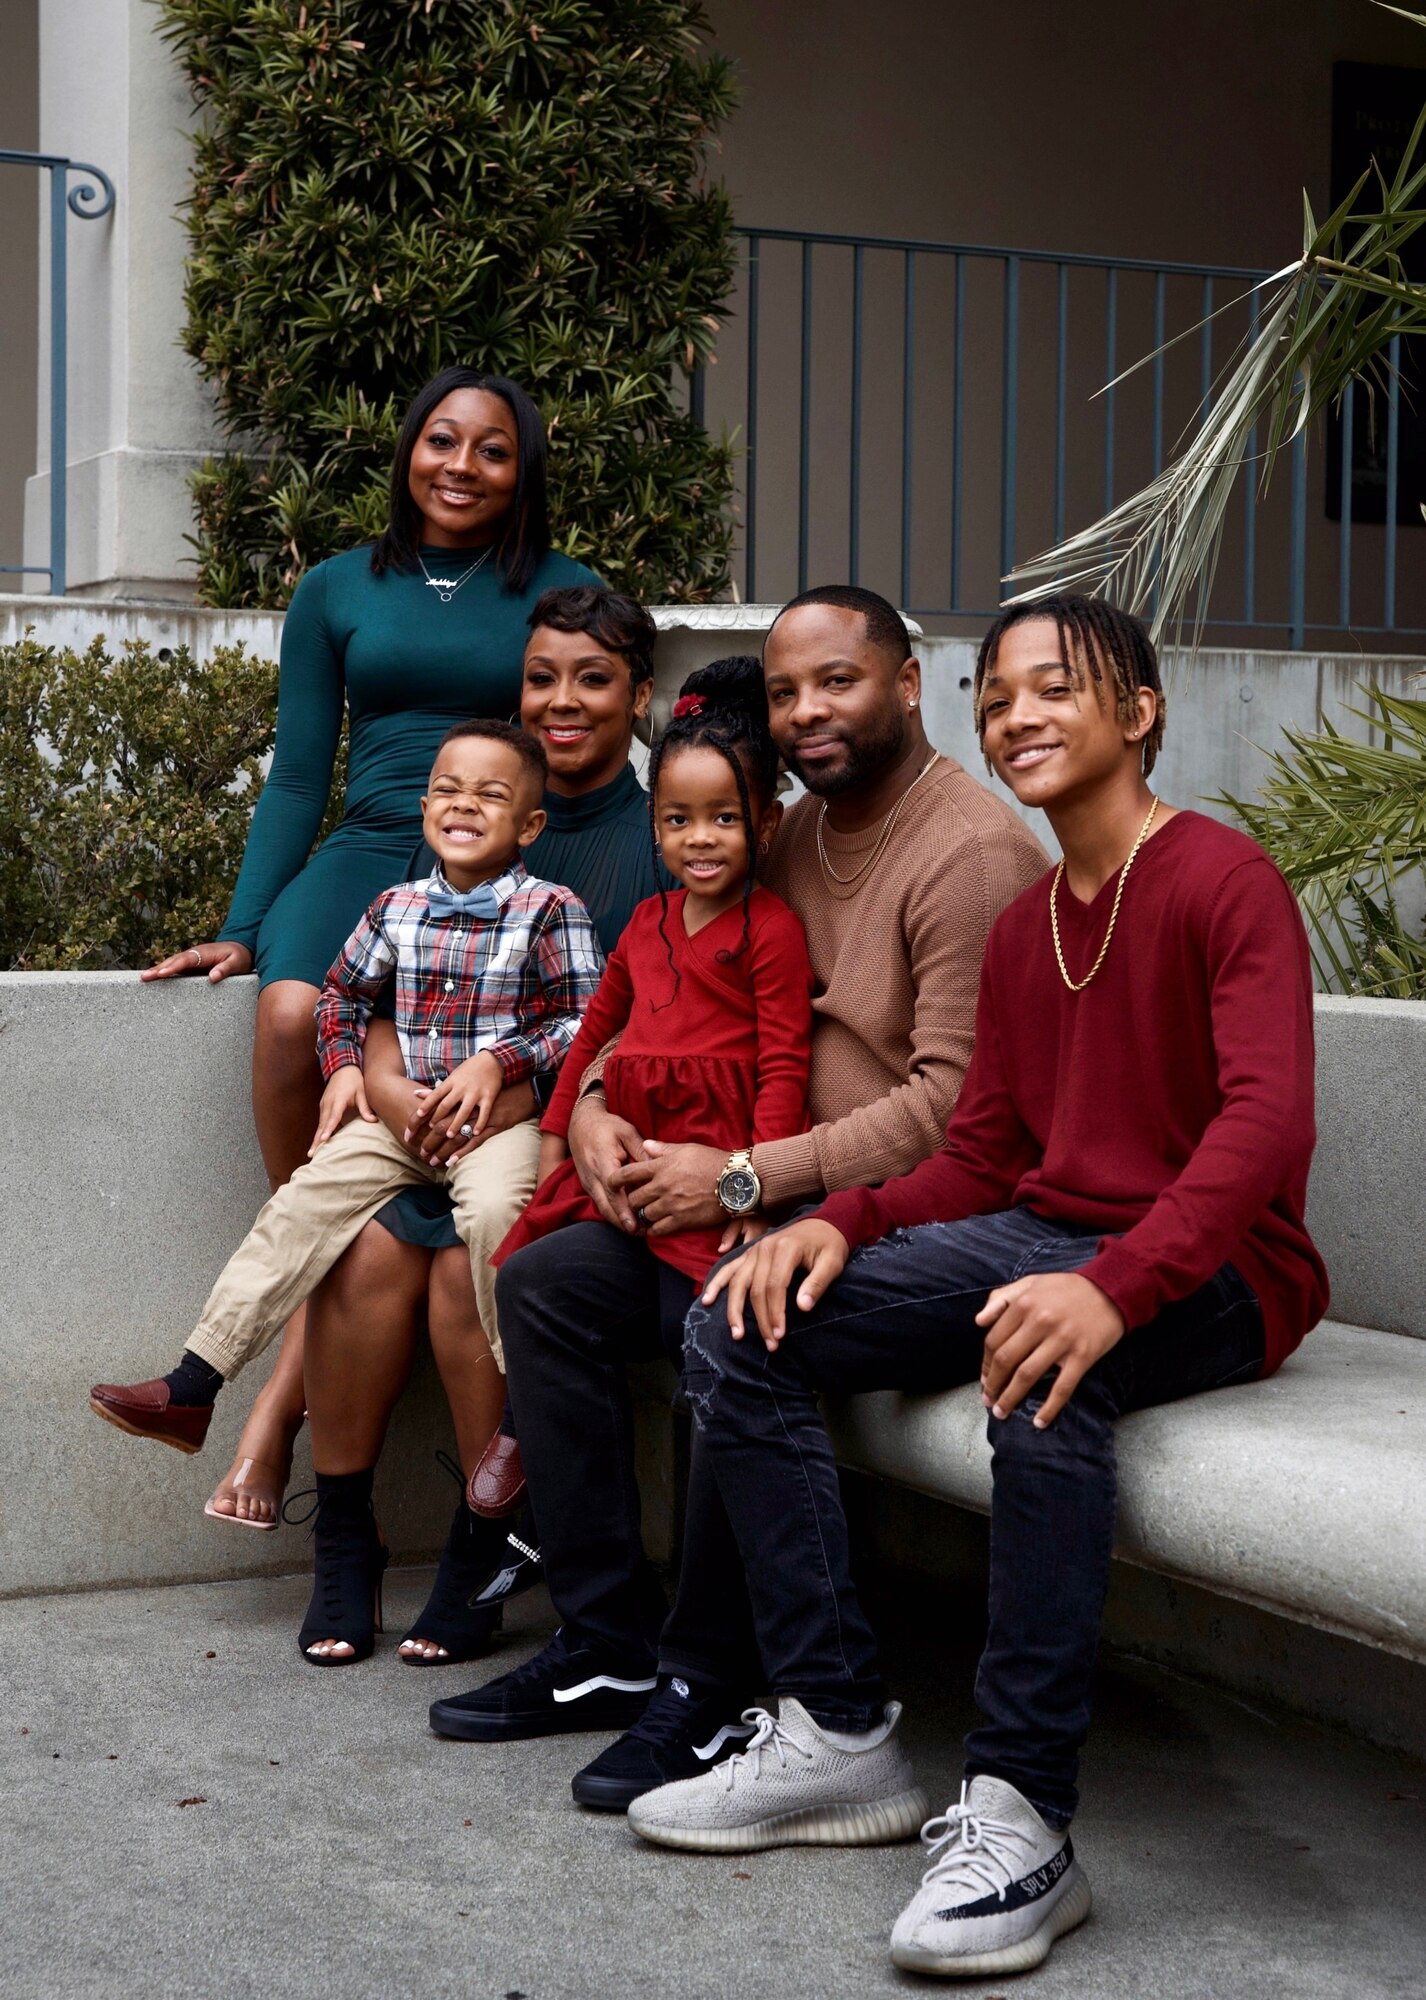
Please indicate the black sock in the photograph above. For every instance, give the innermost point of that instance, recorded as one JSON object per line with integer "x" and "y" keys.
{"x": 507, "y": 1420}
{"x": 193, "y": 1381}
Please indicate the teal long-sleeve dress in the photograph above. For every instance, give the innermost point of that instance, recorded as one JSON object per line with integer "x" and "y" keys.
{"x": 405, "y": 666}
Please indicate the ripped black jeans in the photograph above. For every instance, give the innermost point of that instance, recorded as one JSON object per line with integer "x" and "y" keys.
{"x": 902, "y": 1316}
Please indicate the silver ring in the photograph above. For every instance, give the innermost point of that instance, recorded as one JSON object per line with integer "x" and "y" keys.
{"x": 467, "y": 1131}
{"x": 197, "y": 956}
{"x": 642, "y": 1214}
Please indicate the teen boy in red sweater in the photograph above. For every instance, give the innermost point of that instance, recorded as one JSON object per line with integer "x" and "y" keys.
{"x": 1114, "y": 1220}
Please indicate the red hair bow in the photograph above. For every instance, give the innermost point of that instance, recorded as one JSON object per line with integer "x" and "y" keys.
{"x": 688, "y": 704}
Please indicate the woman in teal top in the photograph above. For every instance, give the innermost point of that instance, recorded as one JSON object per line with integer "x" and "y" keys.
{"x": 425, "y": 628}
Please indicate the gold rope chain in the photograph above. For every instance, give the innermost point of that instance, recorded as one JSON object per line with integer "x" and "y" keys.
{"x": 1078, "y": 985}
{"x": 829, "y": 872}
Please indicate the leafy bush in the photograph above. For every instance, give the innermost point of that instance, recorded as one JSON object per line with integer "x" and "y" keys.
{"x": 126, "y": 787}
{"x": 1346, "y": 823}
{"x": 384, "y": 187}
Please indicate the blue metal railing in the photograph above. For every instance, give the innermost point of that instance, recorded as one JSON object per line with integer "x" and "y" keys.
{"x": 89, "y": 202}
{"x": 860, "y": 387}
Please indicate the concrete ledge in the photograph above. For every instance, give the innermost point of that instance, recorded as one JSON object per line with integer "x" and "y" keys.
{"x": 1300, "y": 1495}
{"x": 129, "y": 1171}
{"x": 1365, "y": 1198}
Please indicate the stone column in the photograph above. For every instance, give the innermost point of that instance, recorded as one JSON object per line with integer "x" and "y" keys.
{"x": 140, "y": 420}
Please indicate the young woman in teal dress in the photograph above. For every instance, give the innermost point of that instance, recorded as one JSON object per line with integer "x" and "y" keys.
{"x": 422, "y": 629}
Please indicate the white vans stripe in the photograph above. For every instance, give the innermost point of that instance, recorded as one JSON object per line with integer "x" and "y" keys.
{"x": 725, "y": 1735}
{"x": 606, "y": 1681}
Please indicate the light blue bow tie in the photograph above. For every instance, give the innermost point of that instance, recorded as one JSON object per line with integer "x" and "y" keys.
{"x": 444, "y": 901}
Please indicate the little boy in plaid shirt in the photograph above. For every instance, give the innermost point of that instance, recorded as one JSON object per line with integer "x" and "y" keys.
{"x": 493, "y": 971}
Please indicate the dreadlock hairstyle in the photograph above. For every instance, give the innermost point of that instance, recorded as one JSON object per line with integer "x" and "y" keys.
{"x": 1096, "y": 639}
{"x": 721, "y": 707}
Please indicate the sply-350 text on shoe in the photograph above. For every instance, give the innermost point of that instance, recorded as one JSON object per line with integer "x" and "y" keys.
{"x": 1001, "y": 1887}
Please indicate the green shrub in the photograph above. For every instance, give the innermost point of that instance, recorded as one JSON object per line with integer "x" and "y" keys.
{"x": 1346, "y": 823}
{"x": 385, "y": 187}
{"x": 126, "y": 787}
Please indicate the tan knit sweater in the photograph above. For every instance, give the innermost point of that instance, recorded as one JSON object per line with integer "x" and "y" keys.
{"x": 896, "y": 957}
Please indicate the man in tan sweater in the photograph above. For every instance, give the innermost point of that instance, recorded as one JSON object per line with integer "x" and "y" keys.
{"x": 898, "y": 862}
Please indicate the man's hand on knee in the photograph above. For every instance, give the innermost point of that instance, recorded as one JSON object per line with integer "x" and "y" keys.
{"x": 599, "y": 1144}
{"x": 762, "y": 1276}
{"x": 1056, "y": 1321}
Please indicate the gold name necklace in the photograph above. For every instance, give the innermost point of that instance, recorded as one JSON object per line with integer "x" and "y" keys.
{"x": 1078, "y": 985}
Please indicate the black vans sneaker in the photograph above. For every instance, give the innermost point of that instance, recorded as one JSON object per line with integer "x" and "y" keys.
{"x": 563, "y": 1689}
{"x": 682, "y": 1732}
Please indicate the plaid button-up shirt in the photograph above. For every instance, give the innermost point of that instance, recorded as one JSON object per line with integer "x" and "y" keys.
{"x": 515, "y": 985}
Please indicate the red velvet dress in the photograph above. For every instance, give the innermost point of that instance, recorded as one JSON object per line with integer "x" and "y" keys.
{"x": 718, "y": 1057}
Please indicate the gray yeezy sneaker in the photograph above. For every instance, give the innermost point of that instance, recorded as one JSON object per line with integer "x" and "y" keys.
{"x": 1001, "y": 1887}
{"x": 794, "y": 1786}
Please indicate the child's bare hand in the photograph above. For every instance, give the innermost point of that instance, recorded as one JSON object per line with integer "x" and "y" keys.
{"x": 465, "y": 1099}
{"x": 344, "y": 1098}
{"x": 553, "y": 1151}
{"x": 739, "y": 1234}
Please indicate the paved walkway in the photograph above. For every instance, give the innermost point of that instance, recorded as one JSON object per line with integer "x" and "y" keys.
{"x": 187, "y": 1809}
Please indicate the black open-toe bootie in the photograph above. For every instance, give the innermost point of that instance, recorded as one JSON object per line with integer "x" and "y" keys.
{"x": 454, "y": 1617}
{"x": 351, "y": 1560}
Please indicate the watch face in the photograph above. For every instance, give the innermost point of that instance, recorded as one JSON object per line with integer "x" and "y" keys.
{"x": 738, "y": 1190}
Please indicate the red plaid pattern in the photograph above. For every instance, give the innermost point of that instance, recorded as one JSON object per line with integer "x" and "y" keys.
{"x": 515, "y": 985}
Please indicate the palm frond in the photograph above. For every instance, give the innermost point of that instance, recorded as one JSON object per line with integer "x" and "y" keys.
{"x": 1324, "y": 323}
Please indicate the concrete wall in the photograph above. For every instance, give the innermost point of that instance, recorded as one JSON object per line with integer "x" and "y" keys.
{"x": 139, "y": 418}
{"x": 129, "y": 1171}
{"x": 20, "y": 194}
{"x": 1183, "y": 131}
{"x": 1034, "y": 126}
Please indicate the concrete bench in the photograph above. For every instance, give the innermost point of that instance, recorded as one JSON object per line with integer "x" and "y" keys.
{"x": 129, "y": 1171}
{"x": 1302, "y": 1495}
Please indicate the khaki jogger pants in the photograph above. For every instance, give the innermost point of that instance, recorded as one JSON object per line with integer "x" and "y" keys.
{"x": 302, "y": 1231}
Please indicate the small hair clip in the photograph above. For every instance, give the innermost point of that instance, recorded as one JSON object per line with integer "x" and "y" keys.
{"x": 688, "y": 704}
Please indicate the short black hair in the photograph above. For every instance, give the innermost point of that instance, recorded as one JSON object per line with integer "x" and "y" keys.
{"x": 618, "y": 623}
{"x": 528, "y": 749}
{"x": 1094, "y": 635}
{"x": 525, "y": 538}
{"x": 885, "y": 626}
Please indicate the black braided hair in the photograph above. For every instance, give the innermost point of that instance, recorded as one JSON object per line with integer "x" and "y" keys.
{"x": 1093, "y": 635}
{"x": 731, "y": 717}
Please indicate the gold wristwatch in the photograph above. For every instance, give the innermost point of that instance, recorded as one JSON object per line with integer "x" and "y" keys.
{"x": 739, "y": 1188}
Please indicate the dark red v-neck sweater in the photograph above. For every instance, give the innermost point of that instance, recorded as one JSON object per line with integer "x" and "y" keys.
{"x": 1169, "y": 1104}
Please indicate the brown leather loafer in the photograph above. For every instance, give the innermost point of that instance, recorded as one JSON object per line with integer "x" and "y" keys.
{"x": 497, "y": 1485}
{"x": 143, "y": 1410}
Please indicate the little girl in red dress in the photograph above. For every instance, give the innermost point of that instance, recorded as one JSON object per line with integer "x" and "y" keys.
{"x": 709, "y": 989}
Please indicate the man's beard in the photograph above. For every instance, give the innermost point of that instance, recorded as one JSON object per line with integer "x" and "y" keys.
{"x": 866, "y": 756}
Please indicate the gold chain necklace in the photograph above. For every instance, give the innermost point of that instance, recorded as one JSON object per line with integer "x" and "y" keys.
{"x": 829, "y": 872}
{"x": 1078, "y": 985}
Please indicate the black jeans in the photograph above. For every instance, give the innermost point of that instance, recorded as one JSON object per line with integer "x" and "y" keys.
{"x": 576, "y": 1307}
{"x": 902, "y": 1316}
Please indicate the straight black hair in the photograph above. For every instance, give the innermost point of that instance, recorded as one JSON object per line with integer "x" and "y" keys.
{"x": 722, "y": 706}
{"x": 525, "y": 537}
{"x": 1095, "y": 636}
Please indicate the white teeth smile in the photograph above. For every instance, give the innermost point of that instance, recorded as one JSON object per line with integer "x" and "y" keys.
{"x": 565, "y": 735}
{"x": 1034, "y": 754}
{"x": 453, "y": 497}
{"x": 460, "y": 833}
